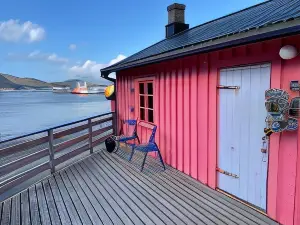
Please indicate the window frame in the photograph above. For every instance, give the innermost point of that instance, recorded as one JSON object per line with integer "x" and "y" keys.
{"x": 146, "y": 96}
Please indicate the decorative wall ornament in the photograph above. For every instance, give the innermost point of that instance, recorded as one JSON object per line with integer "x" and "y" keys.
{"x": 279, "y": 109}
{"x": 294, "y": 85}
{"x": 292, "y": 124}
{"x": 279, "y": 126}
{"x": 294, "y": 110}
{"x": 276, "y": 101}
{"x": 276, "y": 93}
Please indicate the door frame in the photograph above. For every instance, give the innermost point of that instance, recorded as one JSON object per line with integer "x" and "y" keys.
{"x": 257, "y": 208}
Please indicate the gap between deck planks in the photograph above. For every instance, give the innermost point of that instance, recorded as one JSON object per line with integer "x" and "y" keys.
{"x": 107, "y": 189}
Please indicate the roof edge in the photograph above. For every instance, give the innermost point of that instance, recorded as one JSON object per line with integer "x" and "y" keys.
{"x": 202, "y": 24}
{"x": 252, "y": 36}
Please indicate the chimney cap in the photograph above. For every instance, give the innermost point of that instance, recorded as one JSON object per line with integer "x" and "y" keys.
{"x": 176, "y": 6}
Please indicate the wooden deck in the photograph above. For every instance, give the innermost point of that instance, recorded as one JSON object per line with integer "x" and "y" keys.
{"x": 107, "y": 189}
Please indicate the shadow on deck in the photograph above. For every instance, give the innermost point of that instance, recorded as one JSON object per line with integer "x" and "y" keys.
{"x": 107, "y": 189}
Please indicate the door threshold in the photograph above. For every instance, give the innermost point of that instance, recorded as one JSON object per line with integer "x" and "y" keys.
{"x": 243, "y": 202}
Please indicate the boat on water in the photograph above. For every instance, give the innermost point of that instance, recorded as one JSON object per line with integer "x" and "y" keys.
{"x": 61, "y": 89}
{"x": 85, "y": 90}
{"x": 80, "y": 89}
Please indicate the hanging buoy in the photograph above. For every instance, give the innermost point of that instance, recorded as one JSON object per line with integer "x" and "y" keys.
{"x": 110, "y": 92}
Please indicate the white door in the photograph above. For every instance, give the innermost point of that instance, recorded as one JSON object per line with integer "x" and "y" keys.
{"x": 242, "y": 166}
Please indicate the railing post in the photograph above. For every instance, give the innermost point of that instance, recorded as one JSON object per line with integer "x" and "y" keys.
{"x": 114, "y": 123}
{"x": 90, "y": 136}
{"x": 51, "y": 151}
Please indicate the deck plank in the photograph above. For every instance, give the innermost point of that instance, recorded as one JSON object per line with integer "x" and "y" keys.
{"x": 55, "y": 219}
{"x": 195, "y": 201}
{"x": 25, "y": 213}
{"x": 61, "y": 207}
{"x": 112, "y": 201}
{"x": 226, "y": 204}
{"x": 163, "y": 204}
{"x": 44, "y": 212}
{"x": 131, "y": 204}
{"x": 212, "y": 202}
{"x": 241, "y": 208}
{"x": 210, "y": 205}
{"x": 108, "y": 189}
{"x": 177, "y": 203}
{"x": 6, "y": 212}
{"x": 83, "y": 198}
{"x": 34, "y": 208}
{"x": 147, "y": 206}
{"x": 74, "y": 216}
{"x": 103, "y": 202}
{"x": 118, "y": 198}
{"x": 184, "y": 194}
{"x": 15, "y": 210}
{"x": 90, "y": 195}
{"x": 254, "y": 217}
{"x": 85, "y": 219}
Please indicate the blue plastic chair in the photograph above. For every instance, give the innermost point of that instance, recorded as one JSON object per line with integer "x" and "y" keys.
{"x": 151, "y": 146}
{"x": 125, "y": 138}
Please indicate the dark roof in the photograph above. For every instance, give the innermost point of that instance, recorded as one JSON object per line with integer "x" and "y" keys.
{"x": 255, "y": 17}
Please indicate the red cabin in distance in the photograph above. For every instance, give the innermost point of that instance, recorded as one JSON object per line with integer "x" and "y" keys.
{"x": 211, "y": 133}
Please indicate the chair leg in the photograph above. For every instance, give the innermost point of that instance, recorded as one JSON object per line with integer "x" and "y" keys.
{"x": 132, "y": 152}
{"x": 160, "y": 158}
{"x": 144, "y": 160}
{"x": 138, "y": 139}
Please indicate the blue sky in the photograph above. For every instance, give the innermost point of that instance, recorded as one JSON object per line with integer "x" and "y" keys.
{"x": 63, "y": 39}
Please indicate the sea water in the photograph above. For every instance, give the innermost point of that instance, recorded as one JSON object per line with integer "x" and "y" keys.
{"x": 23, "y": 112}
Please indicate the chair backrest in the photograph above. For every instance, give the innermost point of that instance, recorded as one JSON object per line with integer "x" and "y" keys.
{"x": 151, "y": 127}
{"x": 132, "y": 124}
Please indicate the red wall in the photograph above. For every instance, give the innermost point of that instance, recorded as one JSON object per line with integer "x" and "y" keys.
{"x": 185, "y": 111}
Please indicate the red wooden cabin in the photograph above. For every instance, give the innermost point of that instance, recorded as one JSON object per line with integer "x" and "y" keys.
{"x": 214, "y": 134}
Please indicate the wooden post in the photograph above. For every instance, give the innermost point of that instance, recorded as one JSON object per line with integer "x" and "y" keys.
{"x": 90, "y": 136}
{"x": 114, "y": 123}
{"x": 51, "y": 151}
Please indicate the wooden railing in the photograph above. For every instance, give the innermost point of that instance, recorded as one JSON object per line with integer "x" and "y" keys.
{"x": 25, "y": 157}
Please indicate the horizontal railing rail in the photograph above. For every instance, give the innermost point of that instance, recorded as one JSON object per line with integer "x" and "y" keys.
{"x": 27, "y": 156}
{"x": 56, "y": 127}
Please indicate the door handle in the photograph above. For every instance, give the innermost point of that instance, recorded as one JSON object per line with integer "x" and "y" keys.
{"x": 263, "y": 150}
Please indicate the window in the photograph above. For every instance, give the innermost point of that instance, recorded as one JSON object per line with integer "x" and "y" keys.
{"x": 146, "y": 101}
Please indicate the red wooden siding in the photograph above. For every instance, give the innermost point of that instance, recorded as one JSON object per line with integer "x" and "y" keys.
{"x": 179, "y": 134}
{"x": 193, "y": 123}
{"x": 185, "y": 111}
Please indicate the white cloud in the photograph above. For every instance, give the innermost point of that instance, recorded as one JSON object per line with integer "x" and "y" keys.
{"x": 72, "y": 47}
{"x": 92, "y": 68}
{"x": 37, "y": 55}
{"x": 15, "y": 31}
{"x": 87, "y": 68}
{"x": 34, "y": 54}
{"x": 54, "y": 58}
{"x": 116, "y": 60}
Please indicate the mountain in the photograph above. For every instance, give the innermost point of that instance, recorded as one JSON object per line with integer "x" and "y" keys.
{"x": 5, "y": 83}
{"x": 16, "y": 83}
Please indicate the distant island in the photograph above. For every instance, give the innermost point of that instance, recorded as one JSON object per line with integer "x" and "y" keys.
{"x": 9, "y": 82}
